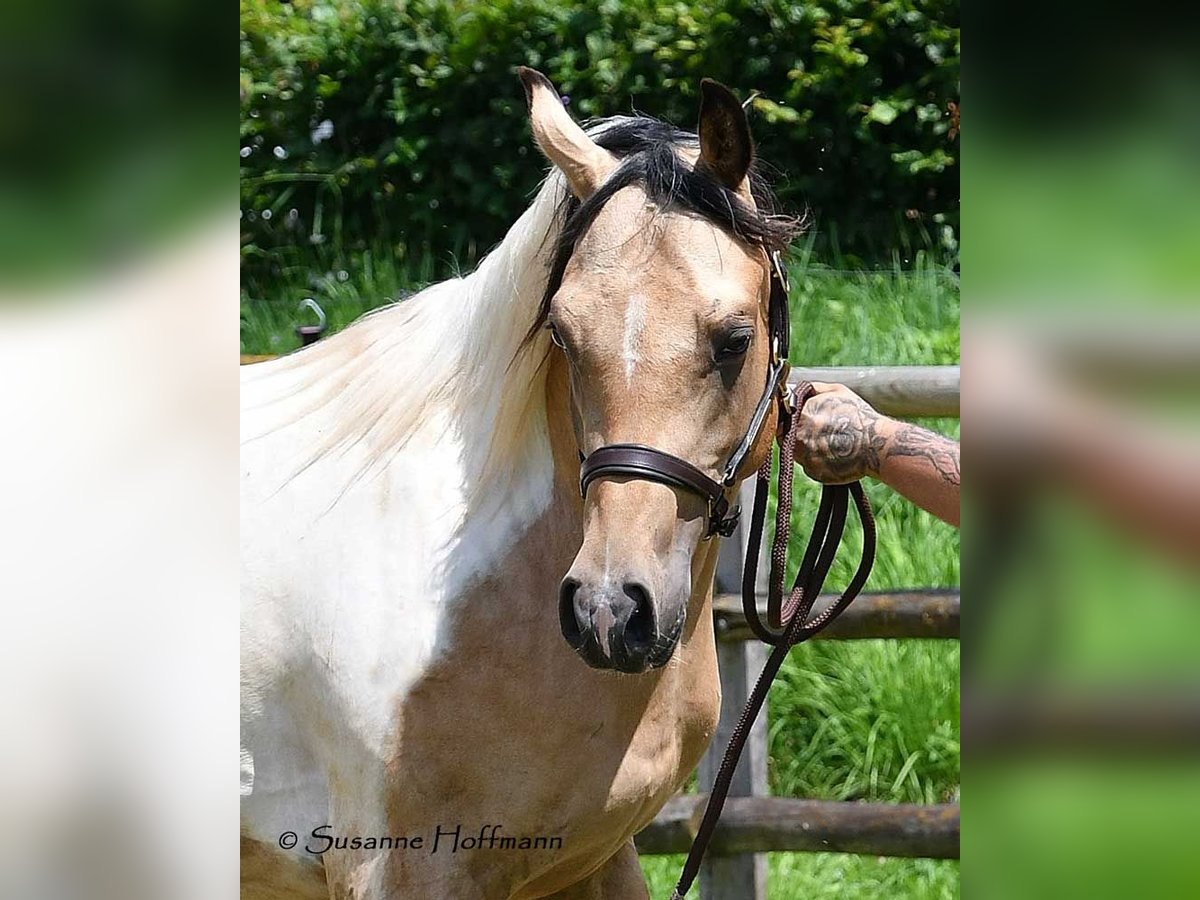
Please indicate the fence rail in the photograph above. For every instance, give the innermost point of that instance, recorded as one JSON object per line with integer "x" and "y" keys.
{"x": 757, "y": 824}
{"x": 926, "y": 613}
{"x": 902, "y": 391}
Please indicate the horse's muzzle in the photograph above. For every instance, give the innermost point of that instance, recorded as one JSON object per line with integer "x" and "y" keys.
{"x": 615, "y": 626}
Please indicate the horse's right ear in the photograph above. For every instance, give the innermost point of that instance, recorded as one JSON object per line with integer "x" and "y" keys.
{"x": 585, "y": 163}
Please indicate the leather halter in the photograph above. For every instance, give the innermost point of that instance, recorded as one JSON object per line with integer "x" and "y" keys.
{"x": 652, "y": 464}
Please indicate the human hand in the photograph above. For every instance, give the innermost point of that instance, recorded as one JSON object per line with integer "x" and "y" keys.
{"x": 840, "y": 438}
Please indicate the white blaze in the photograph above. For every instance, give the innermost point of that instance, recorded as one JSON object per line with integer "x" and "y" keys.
{"x": 635, "y": 321}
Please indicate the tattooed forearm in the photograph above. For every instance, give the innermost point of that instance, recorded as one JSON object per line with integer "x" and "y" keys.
{"x": 940, "y": 452}
{"x": 842, "y": 439}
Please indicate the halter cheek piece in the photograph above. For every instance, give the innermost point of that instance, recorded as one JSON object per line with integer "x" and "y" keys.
{"x": 788, "y": 622}
{"x": 652, "y": 464}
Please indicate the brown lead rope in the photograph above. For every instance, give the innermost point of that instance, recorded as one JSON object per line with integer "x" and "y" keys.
{"x": 787, "y": 624}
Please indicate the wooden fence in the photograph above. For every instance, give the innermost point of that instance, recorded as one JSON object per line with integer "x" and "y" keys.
{"x": 753, "y": 822}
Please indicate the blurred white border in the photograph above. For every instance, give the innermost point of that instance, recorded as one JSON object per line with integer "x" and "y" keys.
{"x": 118, "y": 573}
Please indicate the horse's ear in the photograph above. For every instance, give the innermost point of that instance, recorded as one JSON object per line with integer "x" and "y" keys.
{"x": 726, "y": 149}
{"x": 585, "y": 163}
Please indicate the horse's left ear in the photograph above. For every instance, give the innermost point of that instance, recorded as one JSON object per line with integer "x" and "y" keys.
{"x": 726, "y": 148}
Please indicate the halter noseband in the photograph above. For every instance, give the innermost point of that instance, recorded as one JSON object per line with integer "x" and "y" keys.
{"x": 652, "y": 464}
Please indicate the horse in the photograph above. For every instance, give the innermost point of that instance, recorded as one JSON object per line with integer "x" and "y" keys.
{"x": 461, "y": 677}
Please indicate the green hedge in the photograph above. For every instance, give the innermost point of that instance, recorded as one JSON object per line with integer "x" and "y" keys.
{"x": 429, "y": 150}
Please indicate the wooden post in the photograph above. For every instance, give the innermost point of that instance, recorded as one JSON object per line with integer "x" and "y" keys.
{"x": 744, "y": 876}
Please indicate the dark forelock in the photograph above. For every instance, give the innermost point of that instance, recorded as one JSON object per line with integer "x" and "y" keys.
{"x": 648, "y": 150}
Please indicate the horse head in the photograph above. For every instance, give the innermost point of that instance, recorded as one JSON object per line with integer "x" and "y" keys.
{"x": 659, "y": 300}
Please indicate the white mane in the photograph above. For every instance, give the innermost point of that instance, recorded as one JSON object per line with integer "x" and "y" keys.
{"x": 451, "y": 354}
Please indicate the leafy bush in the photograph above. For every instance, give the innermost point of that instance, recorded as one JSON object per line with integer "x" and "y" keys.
{"x": 401, "y": 121}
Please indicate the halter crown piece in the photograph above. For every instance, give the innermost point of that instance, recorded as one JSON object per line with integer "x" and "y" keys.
{"x": 788, "y": 623}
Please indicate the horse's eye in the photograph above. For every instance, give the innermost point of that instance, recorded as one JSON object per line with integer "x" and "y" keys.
{"x": 733, "y": 346}
{"x": 555, "y": 336}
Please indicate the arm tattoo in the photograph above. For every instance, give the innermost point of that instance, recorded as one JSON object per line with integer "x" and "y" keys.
{"x": 849, "y": 445}
{"x": 843, "y": 439}
{"x": 939, "y": 452}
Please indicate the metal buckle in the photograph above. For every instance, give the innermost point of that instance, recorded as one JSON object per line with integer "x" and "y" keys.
{"x": 721, "y": 519}
{"x": 726, "y": 525}
{"x": 780, "y": 269}
{"x": 786, "y": 398}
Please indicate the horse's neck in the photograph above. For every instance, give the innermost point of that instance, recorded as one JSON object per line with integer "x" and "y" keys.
{"x": 536, "y": 491}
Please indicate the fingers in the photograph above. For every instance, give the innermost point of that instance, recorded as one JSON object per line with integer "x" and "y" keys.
{"x": 832, "y": 387}
{"x": 835, "y": 394}
{"x": 817, "y": 388}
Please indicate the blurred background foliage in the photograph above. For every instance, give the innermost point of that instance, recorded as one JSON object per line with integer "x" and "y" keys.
{"x": 399, "y": 125}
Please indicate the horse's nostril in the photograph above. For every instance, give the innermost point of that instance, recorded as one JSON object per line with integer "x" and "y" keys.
{"x": 568, "y": 618}
{"x": 640, "y": 629}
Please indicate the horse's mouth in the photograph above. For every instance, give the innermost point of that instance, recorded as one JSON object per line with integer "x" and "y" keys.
{"x": 601, "y": 650}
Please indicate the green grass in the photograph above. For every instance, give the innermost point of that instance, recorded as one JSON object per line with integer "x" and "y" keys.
{"x": 871, "y": 720}
{"x": 836, "y": 876}
{"x": 344, "y": 287}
